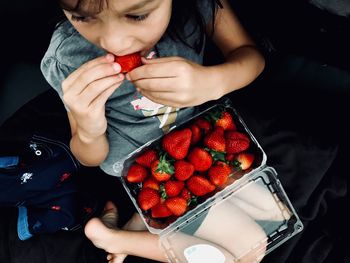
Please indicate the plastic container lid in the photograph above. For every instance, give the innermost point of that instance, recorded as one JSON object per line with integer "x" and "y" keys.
{"x": 248, "y": 221}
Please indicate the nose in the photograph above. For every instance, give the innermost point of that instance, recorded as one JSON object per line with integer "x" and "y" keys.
{"x": 116, "y": 39}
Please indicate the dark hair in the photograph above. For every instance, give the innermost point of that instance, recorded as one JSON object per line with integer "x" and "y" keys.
{"x": 183, "y": 11}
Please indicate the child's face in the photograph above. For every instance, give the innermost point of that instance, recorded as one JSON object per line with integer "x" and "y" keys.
{"x": 123, "y": 26}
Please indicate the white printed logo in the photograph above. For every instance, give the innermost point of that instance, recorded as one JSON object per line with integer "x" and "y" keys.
{"x": 25, "y": 177}
{"x": 203, "y": 253}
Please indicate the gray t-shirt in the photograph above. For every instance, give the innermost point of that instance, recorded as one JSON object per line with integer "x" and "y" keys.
{"x": 133, "y": 120}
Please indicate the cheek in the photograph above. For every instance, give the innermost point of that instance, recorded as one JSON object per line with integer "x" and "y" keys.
{"x": 156, "y": 29}
{"x": 89, "y": 35}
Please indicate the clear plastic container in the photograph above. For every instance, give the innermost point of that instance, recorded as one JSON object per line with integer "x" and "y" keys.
{"x": 248, "y": 216}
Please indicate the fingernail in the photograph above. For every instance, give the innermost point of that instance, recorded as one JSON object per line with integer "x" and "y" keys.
{"x": 127, "y": 77}
{"x": 116, "y": 67}
{"x": 109, "y": 57}
{"x": 151, "y": 55}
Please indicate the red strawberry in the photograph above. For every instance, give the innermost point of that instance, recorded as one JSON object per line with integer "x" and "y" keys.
{"x": 160, "y": 210}
{"x": 203, "y": 124}
{"x": 196, "y": 134}
{"x": 177, "y": 205}
{"x": 200, "y": 159}
{"x": 183, "y": 170}
{"x": 172, "y": 188}
{"x": 225, "y": 121}
{"x": 151, "y": 183}
{"x": 137, "y": 173}
{"x": 219, "y": 173}
{"x": 186, "y": 194}
{"x": 147, "y": 198}
{"x": 236, "y": 142}
{"x": 244, "y": 160}
{"x": 162, "y": 169}
{"x": 147, "y": 157}
{"x": 129, "y": 62}
{"x": 199, "y": 185}
{"x": 229, "y": 157}
{"x": 215, "y": 140}
{"x": 176, "y": 143}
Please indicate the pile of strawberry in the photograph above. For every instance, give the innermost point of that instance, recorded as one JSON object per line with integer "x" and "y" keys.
{"x": 190, "y": 164}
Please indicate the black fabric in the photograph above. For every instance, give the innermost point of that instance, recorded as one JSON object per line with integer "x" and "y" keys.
{"x": 297, "y": 110}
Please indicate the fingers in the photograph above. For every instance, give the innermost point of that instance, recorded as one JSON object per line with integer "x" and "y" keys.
{"x": 94, "y": 73}
{"x": 101, "y": 100}
{"x": 109, "y": 58}
{"x": 152, "y": 71}
{"x": 172, "y": 99}
{"x": 163, "y": 99}
{"x": 96, "y": 88}
{"x": 157, "y": 68}
{"x": 94, "y": 96}
{"x": 160, "y": 60}
{"x": 153, "y": 85}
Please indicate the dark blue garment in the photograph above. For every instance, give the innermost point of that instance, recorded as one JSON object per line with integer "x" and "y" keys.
{"x": 8, "y": 161}
{"x": 40, "y": 181}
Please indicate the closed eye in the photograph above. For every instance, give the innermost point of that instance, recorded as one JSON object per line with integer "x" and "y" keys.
{"x": 137, "y": 18}
{"x": 80, "y": 18}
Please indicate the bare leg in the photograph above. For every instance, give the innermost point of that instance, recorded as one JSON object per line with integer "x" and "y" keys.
{"x": 231, "y": 228}
{"x": 260, "y": 203}
{"x": 225, "y": 228}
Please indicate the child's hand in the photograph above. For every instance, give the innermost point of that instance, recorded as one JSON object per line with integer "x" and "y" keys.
{"x": 86, "y": 91}
{"x": 174, "y": 81}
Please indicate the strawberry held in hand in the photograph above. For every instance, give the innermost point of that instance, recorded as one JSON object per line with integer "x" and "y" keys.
{"x": 128, "y": 62}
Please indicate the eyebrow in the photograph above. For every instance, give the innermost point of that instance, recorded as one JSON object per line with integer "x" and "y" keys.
{"x": 137, "y": 6}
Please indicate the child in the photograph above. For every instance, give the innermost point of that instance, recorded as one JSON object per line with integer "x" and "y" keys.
{"x": 112, "y": 114}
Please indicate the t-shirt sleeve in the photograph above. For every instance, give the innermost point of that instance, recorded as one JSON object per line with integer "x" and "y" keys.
{"x": 67, "y": 51}
{"x": 55, "y": 72}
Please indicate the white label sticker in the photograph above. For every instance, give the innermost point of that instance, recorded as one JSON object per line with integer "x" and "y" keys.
{"x": 203, "y": 253}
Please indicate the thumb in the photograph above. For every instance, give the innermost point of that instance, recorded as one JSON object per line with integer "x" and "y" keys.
{"x": 147, "y": 61}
